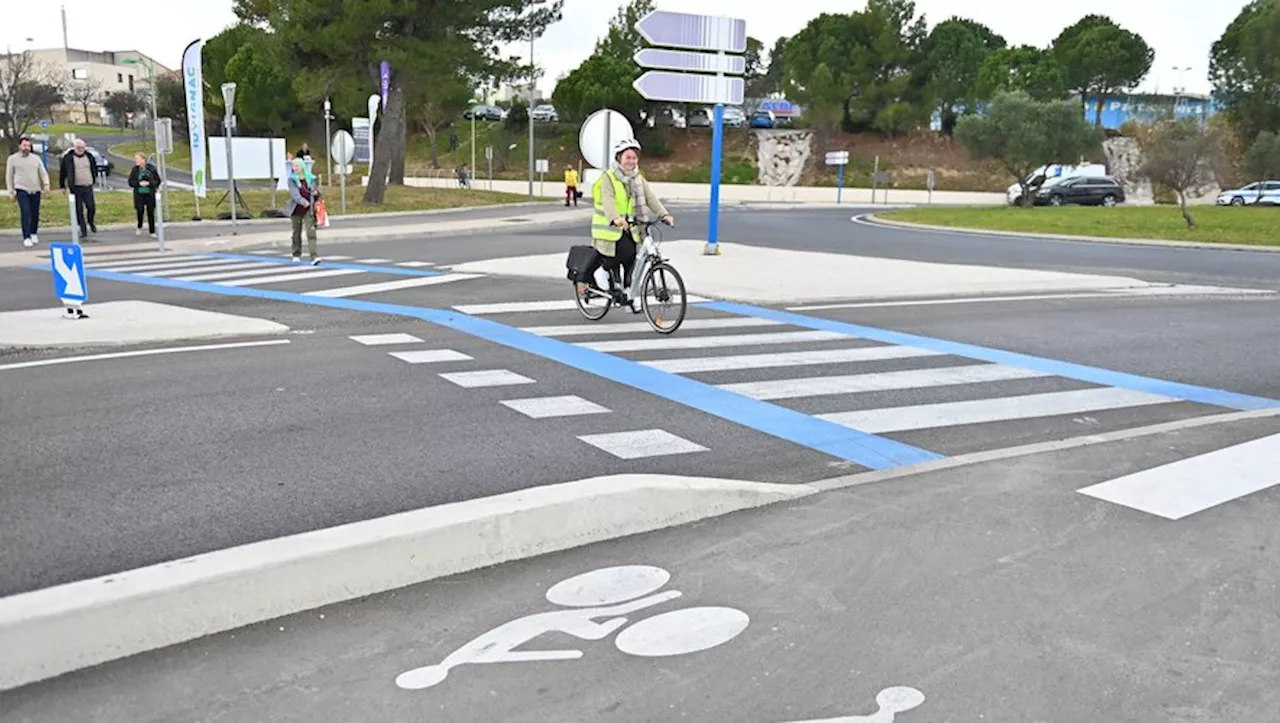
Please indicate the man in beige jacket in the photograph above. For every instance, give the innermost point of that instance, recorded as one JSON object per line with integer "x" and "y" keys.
{"x": 24, "y": 177}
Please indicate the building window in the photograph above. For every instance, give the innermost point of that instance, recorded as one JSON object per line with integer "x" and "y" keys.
{"x": 131, "y": 84}
{"x": 119, "y": 77}
{"x": 79, "y": 74}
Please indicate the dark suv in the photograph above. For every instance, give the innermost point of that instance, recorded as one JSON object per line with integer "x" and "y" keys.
{"x": 1084, "y": 190}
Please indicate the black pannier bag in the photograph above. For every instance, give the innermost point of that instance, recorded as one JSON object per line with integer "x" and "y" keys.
{"x": 579, "y": 258}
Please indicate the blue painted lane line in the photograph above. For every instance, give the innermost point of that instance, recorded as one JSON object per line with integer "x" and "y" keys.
{"x": 389, "y": 270}
{"x": 868, "y": 450}
{"x": 1095, "y": 375}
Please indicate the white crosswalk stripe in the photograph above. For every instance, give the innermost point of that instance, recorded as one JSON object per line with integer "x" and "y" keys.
{"x": 409, "y": 283}
{"x": 257, "y": 270}
{"x": 787, "y": 359}
{"x": 202, "y": 268}
{"x": 293, "y": 276}
{"x": 631, "y": 327}
{"x": 1000, "y": 409}
{"x": 143, "y": 262}
{"x": 884, "y": 381}
{"x": 710, "y": 342}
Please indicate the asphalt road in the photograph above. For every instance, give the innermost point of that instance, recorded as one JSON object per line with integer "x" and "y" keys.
{"x": 996, "y": 590}
{"x": 993, "y": 593}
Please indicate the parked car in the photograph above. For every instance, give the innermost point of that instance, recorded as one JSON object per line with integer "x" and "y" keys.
{"x": 1262, "y": 193}
{"x": 1056, "y": 174}
{"x": 544, "y": 114}
{"x": 485, "y": 112}
{"x": 700, "y": 118}
{"x": 1082, "y": 190}
{"x": 763, "y": 119}
{"x": 734, "y": 117}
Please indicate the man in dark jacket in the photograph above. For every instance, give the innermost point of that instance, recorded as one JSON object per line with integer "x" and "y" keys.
{"x": 78, "y": 171}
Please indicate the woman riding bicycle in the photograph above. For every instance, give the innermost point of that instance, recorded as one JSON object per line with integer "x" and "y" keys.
{"x": 621, "y": 193}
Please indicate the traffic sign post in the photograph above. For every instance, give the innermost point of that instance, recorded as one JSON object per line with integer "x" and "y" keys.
{"x": 66, "y": 261}
{"x": 840, "y": 159}
{"x": 344, "y": 150}
{"x": 164, "y": 146}
{"x": 720, "y": 36}
{"x": 543, "y": 165}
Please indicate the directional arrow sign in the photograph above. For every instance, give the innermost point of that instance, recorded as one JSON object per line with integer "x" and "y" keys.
{"x": 682, "y": 60}
{"x": 678, "y": 88}
{"x": 68, "y": 272}
{"x": 696, "y": 32}
{"x": 837, "y": 158}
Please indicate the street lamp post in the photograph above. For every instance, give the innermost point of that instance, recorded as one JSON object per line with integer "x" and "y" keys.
{"x": 229, "y": 124}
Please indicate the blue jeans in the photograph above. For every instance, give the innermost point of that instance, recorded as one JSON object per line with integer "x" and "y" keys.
{"x": 29, "y": 210}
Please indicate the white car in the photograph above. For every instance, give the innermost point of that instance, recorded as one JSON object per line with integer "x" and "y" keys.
{"x": 1262, "y": 193}
{"x": 545, "y": 114}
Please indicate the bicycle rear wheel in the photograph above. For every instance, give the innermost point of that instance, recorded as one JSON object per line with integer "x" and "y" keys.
{"x": 663, "y": 299}
{"x": 591, "y": 303}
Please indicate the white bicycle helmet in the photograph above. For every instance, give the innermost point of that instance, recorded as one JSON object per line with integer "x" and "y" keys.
{"x": 624, "y": 145}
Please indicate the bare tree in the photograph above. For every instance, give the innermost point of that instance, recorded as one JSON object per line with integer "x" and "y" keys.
{"x": 1179, "y": 156}
{"x": 28, "y": 91}
{"x": 84, "y": 92}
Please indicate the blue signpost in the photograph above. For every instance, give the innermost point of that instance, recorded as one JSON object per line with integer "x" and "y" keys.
{"x": 840, "y": 159}
{"x": 66, "y": 261}
{"x": 719, "y": 35}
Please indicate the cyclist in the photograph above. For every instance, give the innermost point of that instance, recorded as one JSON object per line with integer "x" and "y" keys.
{"x": 622, "y": 192}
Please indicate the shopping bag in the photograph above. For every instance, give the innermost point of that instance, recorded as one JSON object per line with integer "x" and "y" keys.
{"x": 322, "y": 215}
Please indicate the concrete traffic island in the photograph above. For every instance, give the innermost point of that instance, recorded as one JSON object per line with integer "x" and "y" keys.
{"x": 118, "y": 323}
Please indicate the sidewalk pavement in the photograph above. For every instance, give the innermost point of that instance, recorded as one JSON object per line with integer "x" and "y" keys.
{"x": 275, "y": 232}
{"x": 778, "y": 276}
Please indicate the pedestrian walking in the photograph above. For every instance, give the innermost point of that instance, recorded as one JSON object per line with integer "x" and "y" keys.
{"x": 144, "y": 179}
{"x": 570, "y": 186}
{"x": 301, "y": 210}
{"x": 78, "y": 172}
{"x": 24, "y": 177}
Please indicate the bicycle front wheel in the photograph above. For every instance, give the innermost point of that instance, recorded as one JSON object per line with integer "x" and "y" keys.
{"x": 663, "y": 298}
{"x": 593, "y": 305}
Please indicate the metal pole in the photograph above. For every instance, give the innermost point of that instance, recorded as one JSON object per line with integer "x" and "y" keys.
{"x": 231, "y": 174}
{"x": 342, "y": 178}
{"x": 840, "y": 188}
{"x": 75, "y": 225}
{"x": 164, "y": 184}
{"x": 530, "y": 113}
{"x": 473, "y": 143}
{"x": 161, "y": 207}
{"x": 717, "y": 143}
{"x": 328, "y": 147}
{"x": 875, "y": 179}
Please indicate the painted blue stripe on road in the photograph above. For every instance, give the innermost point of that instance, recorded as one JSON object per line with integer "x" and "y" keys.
{"x": 1095, "y": 375}
{"x": 868, "y": 450}
{"x": 389, "y": 270}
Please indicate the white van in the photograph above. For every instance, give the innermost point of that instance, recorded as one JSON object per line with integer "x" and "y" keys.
{"x": 1056, "y": 172}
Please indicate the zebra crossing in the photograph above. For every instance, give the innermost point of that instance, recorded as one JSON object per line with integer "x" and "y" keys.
{"x": 941, "y": 401}
{"x": 333, "y": 277}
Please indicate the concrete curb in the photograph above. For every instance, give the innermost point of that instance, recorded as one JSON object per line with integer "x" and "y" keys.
{"x": 65, "y": 628}
{"x": 875, "y": 218}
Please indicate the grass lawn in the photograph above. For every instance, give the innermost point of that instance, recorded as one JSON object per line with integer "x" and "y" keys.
{"x": 180, "y": 158}
{"x": 57, "y": 129}
{"x": 117, "y": 207}
{"x": 1257, "y": 225}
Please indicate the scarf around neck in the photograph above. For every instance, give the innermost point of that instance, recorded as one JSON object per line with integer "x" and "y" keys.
{"x": 635, "y": 190}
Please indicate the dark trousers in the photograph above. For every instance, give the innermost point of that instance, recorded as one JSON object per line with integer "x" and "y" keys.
{"x": 86, "y": 207}
{"x": 570, "y": 194}
{"x": 146, "y": 202}
{"x": 29, "y": 210}
{"x": 625, "y": 256}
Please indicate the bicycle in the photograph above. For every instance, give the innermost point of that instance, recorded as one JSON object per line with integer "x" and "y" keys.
{"x": 653, "y": 276}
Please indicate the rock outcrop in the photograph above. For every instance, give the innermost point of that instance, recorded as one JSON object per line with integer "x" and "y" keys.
{"x": 781, "y": 156}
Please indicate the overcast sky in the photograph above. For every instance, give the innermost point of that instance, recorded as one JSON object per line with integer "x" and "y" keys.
{"x": 1180, "y": 31}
